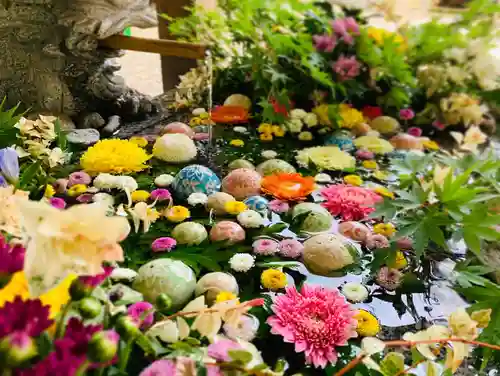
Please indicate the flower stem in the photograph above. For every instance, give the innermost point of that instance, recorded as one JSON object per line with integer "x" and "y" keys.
{"x": 353, "y": 363}
{"x": 82, "y": 369}
{"x": 125, "y": 355}
{"x": 62, "y": 318}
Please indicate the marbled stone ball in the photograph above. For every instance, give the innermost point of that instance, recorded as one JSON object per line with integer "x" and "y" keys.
{"x": 242, "y": 183}
{"x": 178, "y": 127}
{"x": 275, "y": 166}
{"x": 385, "y": 125}
{"x": 404, "y": 141}
{"x": 257, "y": 203}
{"x": 228, "y": 231}
{"x": 217, "y": 202}
{"x": 319, "y": 219}
{"x": 195, "y": 178}
{"x": 174, "y": 148}
{"x": 241, "y": 163}
{"x": 326, "y": 253}
{"x": 212, "y": 284}
{"x": 189, "y": 233}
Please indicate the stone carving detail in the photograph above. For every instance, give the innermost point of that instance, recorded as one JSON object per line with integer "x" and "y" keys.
{"x": 51, "y": 63}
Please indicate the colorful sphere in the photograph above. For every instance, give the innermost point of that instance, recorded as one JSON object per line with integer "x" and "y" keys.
{"x": 385, "y": 125}
{"x": 227, "y": 231}
{"x": 178, "y": 127}
{"x": 257, "y": 203}
{"x": 189, "y": 233}
{"x": 242, "y": 183}
{"x": 166, "y": 276}
{"x": 405, "y": 141}
{"x": 212, "y": 284}
{"x": 195, "y": 178}
{"x": 326, "y": 253}
{"x": 238, "y": 100}
{"x": 174, "y": 148}
{"x": 275, "y": 166}
{"x": 217, "y": 202}
{"x": 241, "y": 163}
{"x": 318, "y": 219}
{"x": 341, "y": 139}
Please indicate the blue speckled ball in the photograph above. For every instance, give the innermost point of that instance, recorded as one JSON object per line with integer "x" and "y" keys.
{"x": 257, "y": 203}
{"x": 398, "y": 154}
{"x": 342, "y": 140}
{"x": 195, "y": 178}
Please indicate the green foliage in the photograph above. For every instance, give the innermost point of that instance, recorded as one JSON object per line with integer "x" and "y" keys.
{"x": 8, "y": 119}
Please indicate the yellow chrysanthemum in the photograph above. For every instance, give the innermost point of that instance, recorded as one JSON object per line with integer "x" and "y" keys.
{"x": 265, "y": 128}
{"x": 139, "y": 195}
{"x": 278, "y": 130}
{"x": 372, "y": 165}
{"x": 273, "y": 279}
{"x": 380, "y": 35}
{"x": 49, "y": 191}
{"x": 386, "y": 229}
{"x": 114, "y": 156}
{"x": 374, "y": 144}
{"x": 266, "y": 137}
{"x": 237, "y": 142}
{"x": 55, "y": 298}
{"x": 326, "y": 158}
{"x": 235, "y": 207}
{"x": 177, "y": 213}
{"x": 224, "y": 296}
{"x": 353, "y": 180}
{"x": 139, "y": 141}
{"x": 431, "y": 145}
{"x": 400, "y": 262}
{"x": 350, "y": 117}
{"x": 368, "y": 325}
{"x": 323, "y": 113}
{"x": 76, "y": 190}
{"x": 195, "y": 121}
{"x": 384, "y": 192}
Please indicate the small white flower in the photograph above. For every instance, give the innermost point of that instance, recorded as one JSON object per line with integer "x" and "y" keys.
{"x": 104, "y": 198}
{"x": 197, "y": 198}
{"x": 240, "y": 130}
{"x": 245, "y": 329}
{"x": 295, "y": 125}
{"x": 323, "y": 178}
{"x": 250, "y": 219}
{"x": 126, "y": 183}
{"x": 311, "y": 120}
{"x": 355, "y": 292}
{"x": 298, "y": 113}
{"x": 123, "y": 274}
{"x": 242, "y": 262}
{"x": 164, "y": 180}
{"x": 199, "y": 111}
{"x": 269, "y": 154}
{"x": 108, "y": 181}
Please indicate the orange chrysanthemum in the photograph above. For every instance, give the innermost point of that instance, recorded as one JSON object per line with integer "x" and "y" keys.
{"x": 290, "y": 187}
{"x": 230, "y": 114}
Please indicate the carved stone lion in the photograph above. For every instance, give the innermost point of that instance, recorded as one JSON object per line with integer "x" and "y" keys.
{"x": 50, "y": 61}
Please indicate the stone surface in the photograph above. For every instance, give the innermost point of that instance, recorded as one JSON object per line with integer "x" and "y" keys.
{"x": 112, "y": 125}
{"x": 83, "y": 136}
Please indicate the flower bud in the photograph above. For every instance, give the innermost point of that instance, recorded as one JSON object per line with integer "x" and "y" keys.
{"x": 15, "y": 349}
{"x": 103, "y": 346}
{"x": 78, "y": 290}
{"x": 163, "y": 302}
{"x": 127, "y": 328}
{"x": 89, "y": 308}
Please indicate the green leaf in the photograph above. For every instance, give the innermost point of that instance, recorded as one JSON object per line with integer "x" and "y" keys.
{"x": 472, "y": 240}
{"x": 28, "y": 175}
{"x": 435, "y": 233}
{"x": 240, "y": 356}
{"x": 392, "y": 364}
{"x": 62, "y": 141}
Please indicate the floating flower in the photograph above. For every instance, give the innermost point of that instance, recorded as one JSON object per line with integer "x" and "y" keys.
{"x": 177, "y": 213}
{"x": 354, "y": 230}
{"x": 225, "y": 296}
{"x": 323, "y": 113}
{"x": 354, "y": 292}
{"x": 197, "y": 198}
{"x": 323, "y": 178}
{"x": 347, "y": 68}
{"x": 364, "y": 154}
{"x": 49, "y": 191}
{"x": 162, "y": 367}
{"x": 273, "y": 279}
{"x": 114, "y": 156}
{"x": 245, "y": 329}
{"x": 139, "y": 141}
{"x": 389, "y": 278}
{"x": 164, "y": 244}
{"x": 353, "y": 180}
{"x": 400, "y": 261}
{"x": 237, "y": 142}
{"x": 325, "y": 158}
{"x": 386, "y": 229}
{"x": 315, "y": 319}
{"x": 96, "y": 280}
{"x": 160, "y": 194}
{"x": 174, "y": 148}
{"x": 265, "y": 247}
{"x": 438, "y": 125}
{"x": 368, "y": 325}
{"x": 311, "y": 120}
{"x": 461, "y": 107}
{"x": 265, "y": 128}
{"x": 325, "y": 42}
{"x": 406, "y": 114}
{"x": 269, "y": 154}
{"x": 230, "y": 114}
{"x": 371, "y": 165}
{"x": 350, "y": 117}
{"x": 290, "y": 248}
{"x": 12, "y": 257}
{"x": 235, "y": 207}
{"x": 242, "y": 262}
{"x": 140, "y": 196}
{"x": 377, "y": 241}
{"x": 266, "y": 137}
{"x": 374, "y": 144}
{"x": 10, "y": 215}
{"x": 372, "y": 112}
{"x": 79, "y": 177}
{"x": 278, "y": 206}
{"x": 142, "y": 314}
{"x": 414, "y": 131}
{"x": 290, "y": 187}
{"x": 383, "y": 191}
{"x": 278, "y": 130}
{"x": 345, "y": 28}
{"x": 250, "y": 219}
{"x": 295, "y": 125}
{"x": 430, "y": 145}
{"x": 164, "y": 180}
{"x": 76, "y": 190}
{"x": 350, "y": 203}
{"x": 470, "y": 141}
{"x": 305, "y": 136}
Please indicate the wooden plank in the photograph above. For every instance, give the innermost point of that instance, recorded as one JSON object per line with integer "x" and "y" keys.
{"x": 163, "y": 47}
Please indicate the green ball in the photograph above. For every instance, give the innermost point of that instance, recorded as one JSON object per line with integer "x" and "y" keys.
{"x": 89, "y": 307}
{"x": 241, "y": 163}
{"x": 275, "y": 166}
{"x": 385, "y": 125}
{"x": 189, "y": 233}
{"x": 318, "y": 219}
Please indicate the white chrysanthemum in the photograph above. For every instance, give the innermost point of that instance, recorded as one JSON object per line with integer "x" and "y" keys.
{"x": 242, "y": 262}
{"x": 197, "y": 198}
{"x": 323, "y": 178}
{"x": 104, "y": 198}
{"x": 242, "y": 130}
{"x": 199, "y": 111}
{"x": 355, "y": 292}
{"x": 164, "y": 180}
{"x": 250, "y": 219}
{"x": 294, "y": 125}
{"x": 108, "y": 181}
{"x": 174, "y": 148}
{"x": 298, "y": 113}
{"x": 311, "y": 120}
{"x": 245, "y": 329}
{"x": 126, "y": 183}
{"x": 269, "y": 154}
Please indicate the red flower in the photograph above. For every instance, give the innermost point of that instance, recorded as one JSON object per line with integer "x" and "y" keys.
{"x": 12, "y": 257}
{"x": 371, "y": 112}
{"x": 230, "y": 114}
{"x": 279, "y": 108}
{"x": 29, "y": 316}
{"x": 96, "y": 280}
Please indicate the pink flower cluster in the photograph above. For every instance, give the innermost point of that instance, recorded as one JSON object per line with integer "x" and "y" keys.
{"x": 346, "y": 67}
{"x": 11, "y": 256}
{"x": 164, "y": 244}
{"x": 348, "y": 202}
{"x": 406, "y": 114}
{"x": 316, "y": 320}
{"x": 343, "y": 29}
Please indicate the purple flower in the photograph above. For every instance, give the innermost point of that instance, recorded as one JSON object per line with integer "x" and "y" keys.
{"x": 165, "y": 244}
{"x": 142, "y": 314}
{"x": 345, "y": 28}
{"x": 414, "y": 131}
{"x": 96, "y": 280}
{"x": 57, "y": 202}
{"x": 291, "y": 248}
{"x": 9, "y": 164}
{"x": 365, "y": 154}
{"x": 406, "y": 114}
{"x": 438, "y": 125}
{"x": 220, "y": 350}
{"x": 60, "y": 185}
{"x": 265, "y": 247}
{"x": 346, "y": 67}
{"x": 12, "y": 257}
{"x": 3, "y": 182}
{"x": 59, "y": 362}
{"x": 213, "y": 370}
{"x": 161, "y": 194}
{"x": 325, "y": 42}
{"x": 278, "y": 206}
{"x": 29, "y": 316}
{"x": 163, "y": 367}
{"x": 79, "y": 177}
{"x": 77, "y": 337}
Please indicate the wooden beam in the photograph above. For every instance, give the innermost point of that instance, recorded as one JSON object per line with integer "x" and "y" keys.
{"x": 163, "y": 47}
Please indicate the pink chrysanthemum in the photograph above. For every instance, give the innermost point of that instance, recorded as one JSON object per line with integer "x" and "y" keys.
{"x": 291, "y": 248}
{"x": 29, "y": 316}
{"x": 265, "y": 247}
{"x": 142, "y": 314}
{"x": 163, "y": 367}
{"x": 348, "y": 202}
{"x": 220, "y": 350}
{"x": 346, "y": 67}
{"x": 11, "y": 256}
{"x": 316, "y": 320}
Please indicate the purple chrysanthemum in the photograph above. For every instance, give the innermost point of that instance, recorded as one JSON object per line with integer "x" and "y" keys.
{"x": 12, "y": 257}
{"x": 29, "y": 316}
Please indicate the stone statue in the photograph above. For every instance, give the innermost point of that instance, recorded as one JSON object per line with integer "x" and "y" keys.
{"x": 51, "y": 62}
